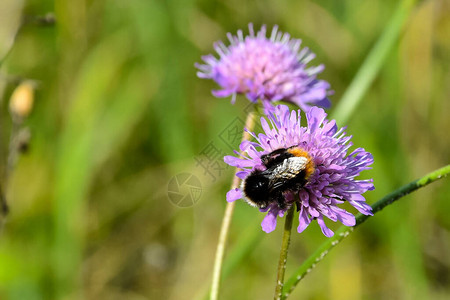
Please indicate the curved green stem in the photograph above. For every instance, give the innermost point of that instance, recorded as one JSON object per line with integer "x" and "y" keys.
{"x": 226, "y": 221}
{"x": 344, "y": 231}
{"x": 283, "y": 253}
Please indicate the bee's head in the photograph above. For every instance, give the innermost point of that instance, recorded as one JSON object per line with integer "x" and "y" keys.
{"x": 255, "y": 188}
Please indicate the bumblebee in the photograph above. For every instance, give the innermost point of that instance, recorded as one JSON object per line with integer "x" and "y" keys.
{"x": 287, "y": 169}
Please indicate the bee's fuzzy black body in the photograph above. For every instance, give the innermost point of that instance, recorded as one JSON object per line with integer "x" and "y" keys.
{"x": 287, "y": 169}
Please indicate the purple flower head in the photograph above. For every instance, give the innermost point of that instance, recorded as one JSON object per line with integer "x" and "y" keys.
{"x": 332, "y": 180}
{"x": 270, "y": 69}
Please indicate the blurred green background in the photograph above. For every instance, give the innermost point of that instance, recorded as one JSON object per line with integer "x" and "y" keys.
{"x": 119, "y": 113}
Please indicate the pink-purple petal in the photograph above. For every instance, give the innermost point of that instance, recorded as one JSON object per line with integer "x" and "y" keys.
{"x": 234, "y": 195}
{"x": 345, "y": 217}
{"x": 242, "y": 174}
{"x": 238, "y": 162}
{"x": 325, "y": 230}
{"x": 303, "y": 221}
{"x": 269, "y": 222}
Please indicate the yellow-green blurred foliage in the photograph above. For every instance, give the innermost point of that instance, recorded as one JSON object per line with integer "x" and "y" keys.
{"x": 118, "y": 112}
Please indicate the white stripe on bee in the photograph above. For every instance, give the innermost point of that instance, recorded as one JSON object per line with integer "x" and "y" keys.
{"x": 290, "y": 167}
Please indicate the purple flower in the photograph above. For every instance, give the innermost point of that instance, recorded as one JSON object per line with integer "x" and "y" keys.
{"x": 333, "y": 179}
{"x": 270, "y": 69}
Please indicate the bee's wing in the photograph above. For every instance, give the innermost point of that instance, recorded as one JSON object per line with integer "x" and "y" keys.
{"x": 285, "y": 171}
{"x": 275, "y": 184}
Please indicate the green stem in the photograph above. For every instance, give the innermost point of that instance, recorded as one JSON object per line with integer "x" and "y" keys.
{"x": 344, "y": 231}
{"x": 244, "y": 245}
{"x": 226, "y": 221}
{"x": 372, "y": 64}
{"x": 283, "y": 253}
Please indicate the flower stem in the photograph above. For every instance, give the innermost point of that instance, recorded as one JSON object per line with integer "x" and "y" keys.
{"x": 344, "y": 231}
{"x": 283, "y": 253}
{"x": 220, "y": 251}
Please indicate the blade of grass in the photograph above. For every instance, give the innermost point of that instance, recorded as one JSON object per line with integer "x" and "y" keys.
{"x": 372, "y": 64}
{"x": 344, "y": 231}
{"x": 100, "y": 117}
